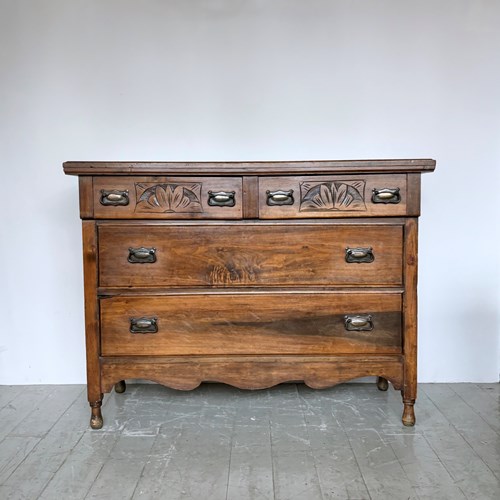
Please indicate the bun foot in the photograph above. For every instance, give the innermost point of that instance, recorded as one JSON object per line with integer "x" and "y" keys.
{"x": 120, "y": 387}
{"x": 408, "y": 415}
{"x": 96, "y": 420}
{"x": 382, "y": 384}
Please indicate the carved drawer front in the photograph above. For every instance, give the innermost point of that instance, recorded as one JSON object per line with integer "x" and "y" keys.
{"x": 119, "y": 197}
{"x": 332, "y": 196}
{"x": 249, "y": 254}
{"x": 246, "y": 323}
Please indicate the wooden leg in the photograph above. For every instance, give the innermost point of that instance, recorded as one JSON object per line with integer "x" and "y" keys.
{"x": 409, "y": 391}
{"x": 409, "y": 413}
{"x": 120, "y": 387}
{"x": 94, "y": 393}
{"x": 96, "y": 415}
{"x": 382, "y": 384}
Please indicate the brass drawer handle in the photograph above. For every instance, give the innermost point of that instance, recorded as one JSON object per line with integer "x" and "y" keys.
{"x": 143, "y": 325}
{"x": 114, "y": 197}
{"x": 359, "y": 254}
{"x": 141, "y": 255}
{"x": 221, "y": 199}
{"x": 386, "y": 195}
{"x": 358, "y": 323}
{"x": 280, "y": 197}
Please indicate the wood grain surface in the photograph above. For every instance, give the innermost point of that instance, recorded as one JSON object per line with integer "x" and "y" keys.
{"x": 268, "y": 323}
{"x": 257, "y": 255}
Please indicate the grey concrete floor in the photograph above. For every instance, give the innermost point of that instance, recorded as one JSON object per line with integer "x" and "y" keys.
{"x": 218, "y": 442}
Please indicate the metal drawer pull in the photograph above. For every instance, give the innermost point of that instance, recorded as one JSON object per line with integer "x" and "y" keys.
{"x": 358, "y": 323}
{"x": 280, "y": 197}
{"x": 141, "y": 255}
{"x": 114, "y": 197}
{"x": 386, "y": 195}
{"x": 143, "y": 325}
{"x": 221, "y": 199}
{"x": 359, "y": 254}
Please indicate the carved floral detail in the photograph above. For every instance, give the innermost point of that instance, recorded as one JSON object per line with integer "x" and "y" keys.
{"x": 168, "y": 198}
{"x": 330, "y": 196}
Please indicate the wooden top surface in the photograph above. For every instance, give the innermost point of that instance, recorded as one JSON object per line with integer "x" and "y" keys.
{"x": 248, "y": 167}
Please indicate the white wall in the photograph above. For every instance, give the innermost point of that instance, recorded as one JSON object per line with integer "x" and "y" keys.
{"x": 248, "y": 80}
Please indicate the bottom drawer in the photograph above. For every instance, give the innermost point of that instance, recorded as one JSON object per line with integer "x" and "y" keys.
{"x": 252, "y": 323}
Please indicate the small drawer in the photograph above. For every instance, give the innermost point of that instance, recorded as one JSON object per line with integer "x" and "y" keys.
{"x": 250, "y": 254}
{"x": 251, "y": 323}
{"x": 332, "y": 196}
{"x": 118, "y": 197}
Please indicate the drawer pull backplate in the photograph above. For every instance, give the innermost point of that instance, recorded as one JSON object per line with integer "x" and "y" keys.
{"x": 280, "y": 197}
{"x": 142, "y": 255}
{"x": 221, "y": 198}
{"x": 386, "y": 195}
{"x": 114, "y": 197}
{"x": 358, "y": 323}
{"x": 359, "y": 255}
{"x": 143, "y": 325}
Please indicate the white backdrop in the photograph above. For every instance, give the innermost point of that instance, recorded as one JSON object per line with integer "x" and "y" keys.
{"x": 248, "y": 80}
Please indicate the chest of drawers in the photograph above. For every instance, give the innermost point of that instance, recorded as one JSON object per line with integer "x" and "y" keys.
{"x": 250, "y": 274}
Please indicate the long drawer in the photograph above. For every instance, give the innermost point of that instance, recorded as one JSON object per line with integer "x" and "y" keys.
{"x": 244, "y": 254}
{"x": 119, "y": 197}
{"x": 251, "y": 323}
{"x": 332, "y": 196}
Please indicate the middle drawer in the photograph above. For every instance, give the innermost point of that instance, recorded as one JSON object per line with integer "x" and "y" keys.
{"x": 249, "y": 254}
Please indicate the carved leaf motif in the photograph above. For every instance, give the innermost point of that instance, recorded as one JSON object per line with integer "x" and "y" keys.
{"x": 160, "y": 197}
{"x": 168, "y": 198}
{"x": 326, "y": 196}
{"x": 177, "y": 195}
{"x": 340, "y": 194}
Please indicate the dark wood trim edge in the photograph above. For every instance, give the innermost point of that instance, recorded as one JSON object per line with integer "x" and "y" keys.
{"x": 250, "y": 197}
{"x": 243, "y": 168}
{"x": 413, "y": 195}
{"x": 86, "y": 192}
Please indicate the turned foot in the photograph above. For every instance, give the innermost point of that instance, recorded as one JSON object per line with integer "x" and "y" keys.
{"x": 96, "y": 415}
{"x": 120, "y": 387}
{"x": 382, "y": 384}
{"x": 408, "y": 414}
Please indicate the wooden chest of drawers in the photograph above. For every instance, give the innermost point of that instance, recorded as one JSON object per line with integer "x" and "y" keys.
{"x": 251, "y": 274}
